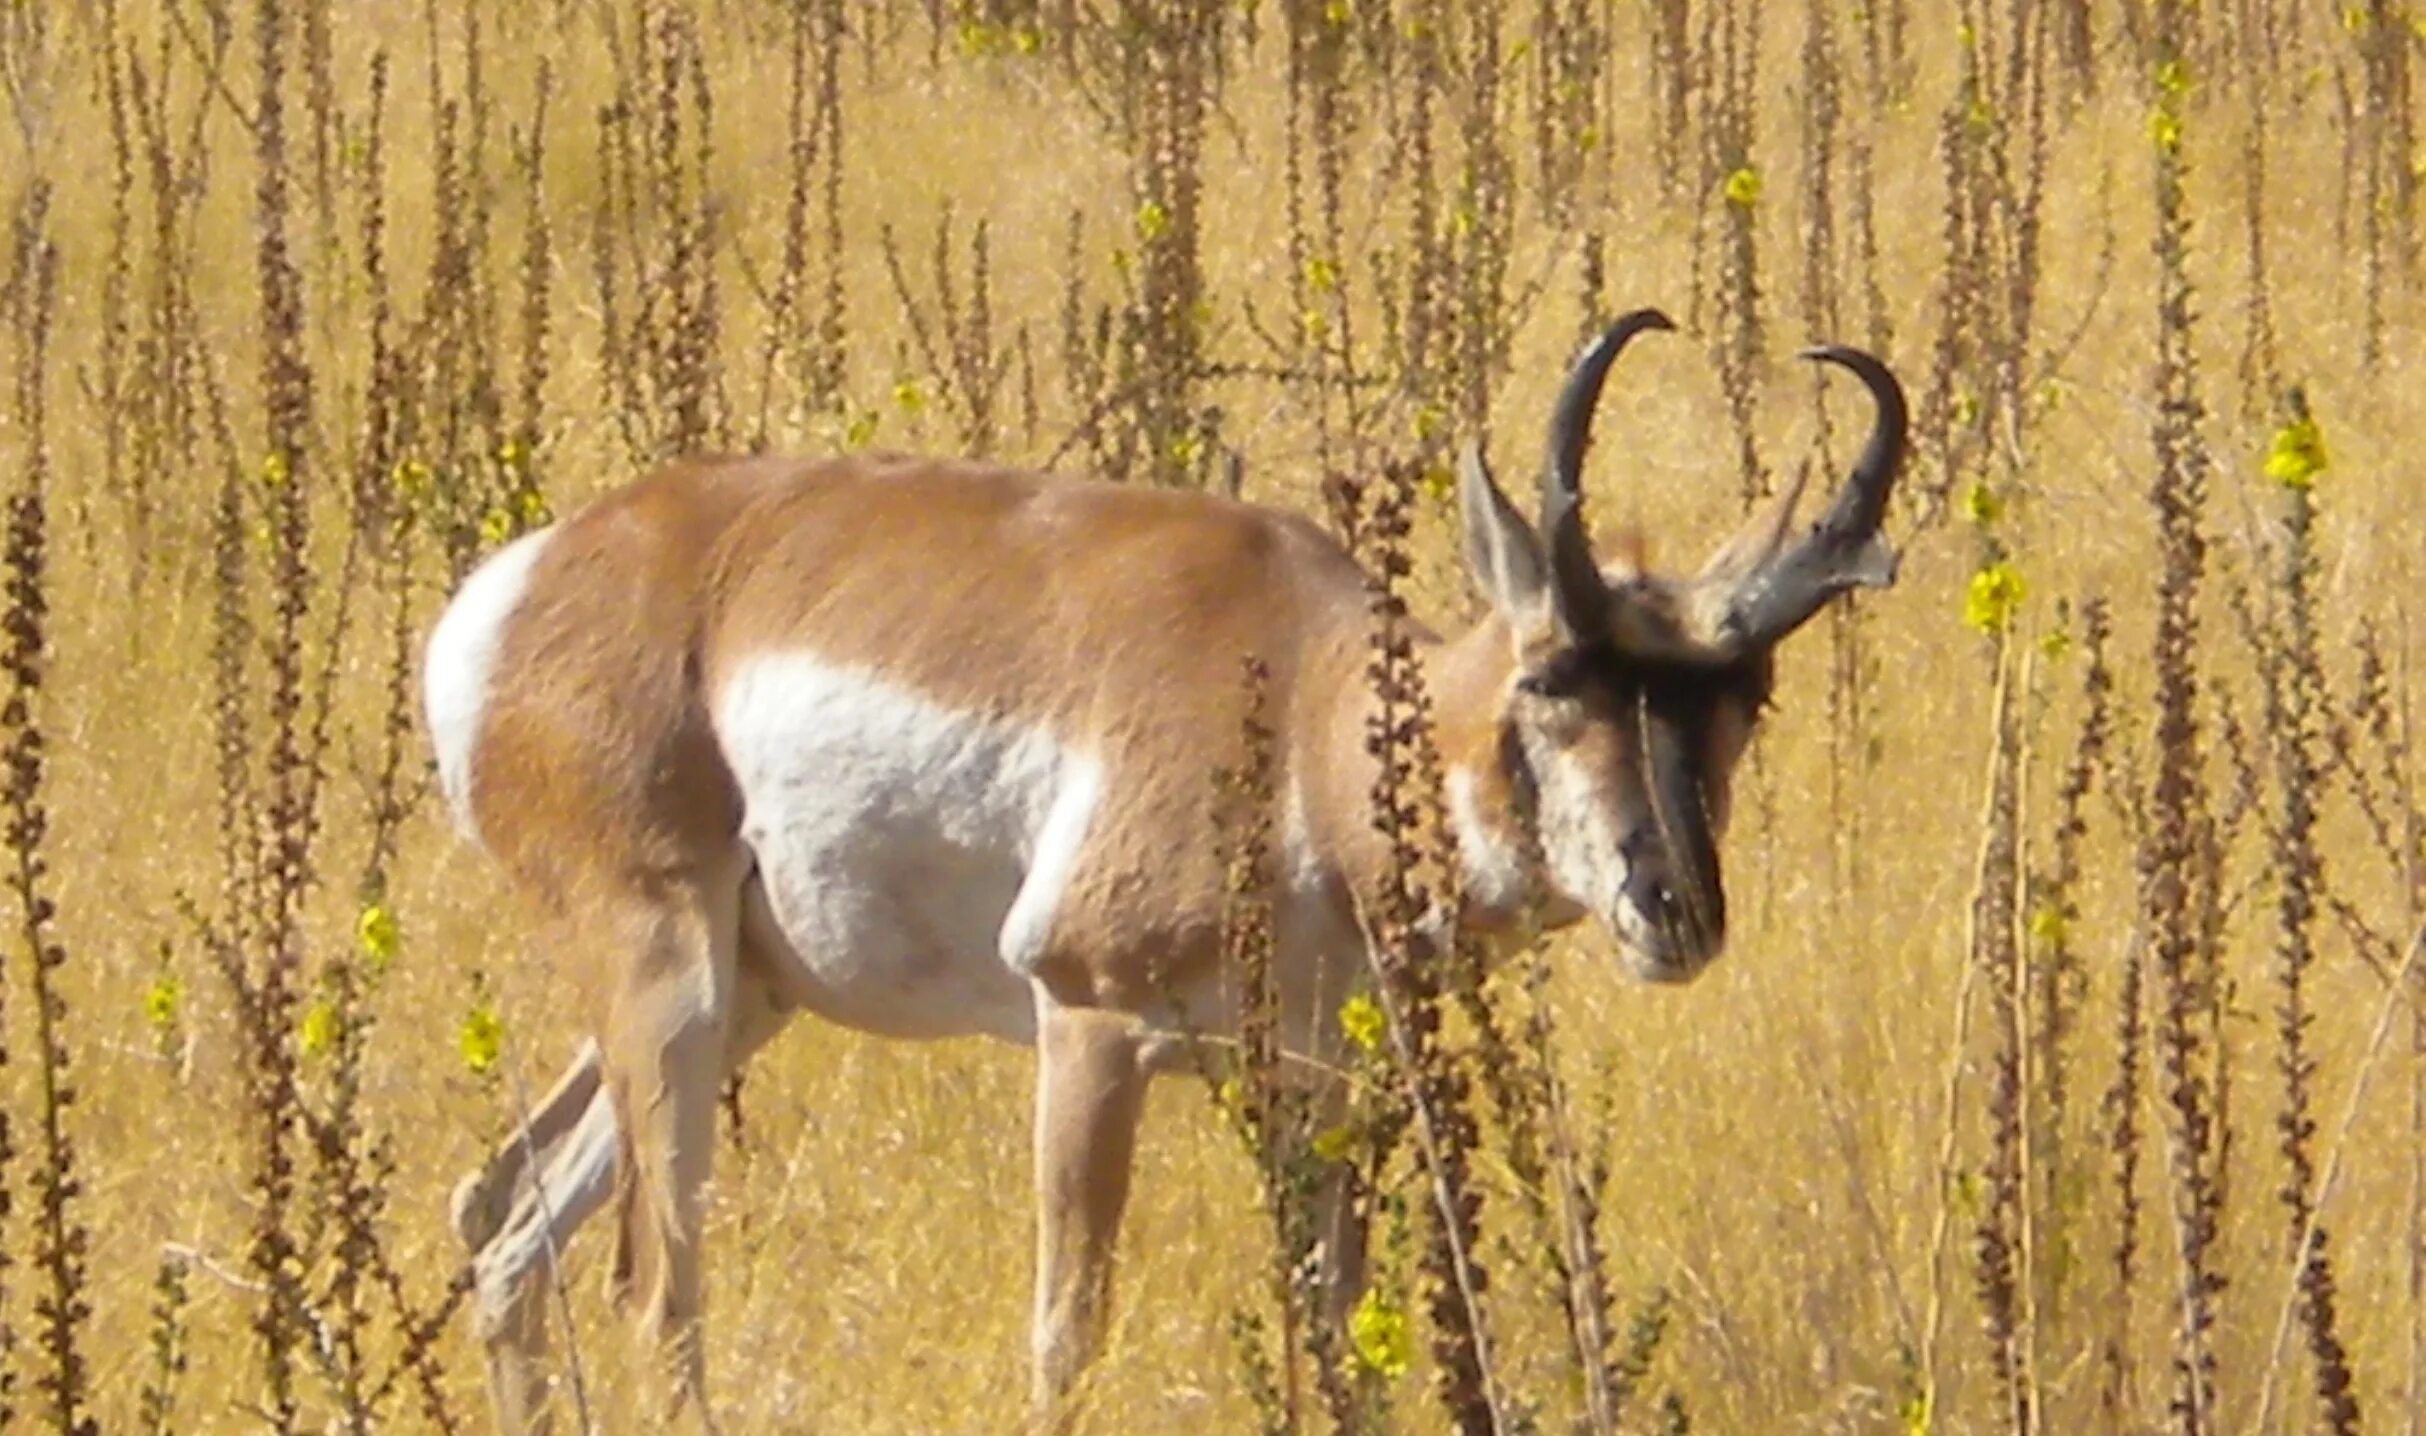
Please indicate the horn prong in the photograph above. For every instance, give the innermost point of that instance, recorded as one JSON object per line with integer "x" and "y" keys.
{"x": 1843, "y": 549}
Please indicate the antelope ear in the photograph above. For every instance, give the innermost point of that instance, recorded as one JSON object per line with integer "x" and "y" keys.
{"x": 1503, "y": 553}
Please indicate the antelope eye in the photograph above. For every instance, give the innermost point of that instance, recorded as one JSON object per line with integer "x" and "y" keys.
{"x": 1562, "y": 676}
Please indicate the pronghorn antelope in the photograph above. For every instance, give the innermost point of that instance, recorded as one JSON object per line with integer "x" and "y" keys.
{"x": 925, "y": 748}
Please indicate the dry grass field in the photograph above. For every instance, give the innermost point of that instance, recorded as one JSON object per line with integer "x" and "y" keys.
{"x": 2066, "y": 1071}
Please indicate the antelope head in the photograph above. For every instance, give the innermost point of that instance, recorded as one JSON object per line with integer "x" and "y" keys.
{"x": 1630, "y": 696}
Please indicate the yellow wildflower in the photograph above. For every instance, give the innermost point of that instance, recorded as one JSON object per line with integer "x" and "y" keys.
{"x": 1744, "y": 188}
{"x": 481, "y": 1038}
{"x": 1995, "y": 592}
{"x": 1361, "y": 1018}
{"x": 376, "y": 934}
{"x": 318, "y": 1031}
{"x": 2297, "y": 454}
{"x": 1334, "y": 1144}
{"x": 1153, "y": 221}
{"x": 977, "y": 39}
{"x": 1918, "y": 1414}
{"x": 2165, "y": 128}
{"x": 163, "y": 1001}
{"x": 1382, "y": 1336}
{"x": 413, "y": 480}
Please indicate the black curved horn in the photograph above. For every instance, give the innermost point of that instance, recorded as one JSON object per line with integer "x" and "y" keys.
{"x": 1843, "y": 550}
{"x": 1581, "y": 596}
{"x": 1862, "y": 504}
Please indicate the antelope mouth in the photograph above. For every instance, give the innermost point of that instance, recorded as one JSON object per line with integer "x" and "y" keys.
{"x": 1665, "y": 950}
{"x": 1658, "y": 966}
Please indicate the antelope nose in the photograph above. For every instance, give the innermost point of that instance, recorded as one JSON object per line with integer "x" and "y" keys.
{"x": 1655, "y": 897}
{"x": 1684, "y": 919}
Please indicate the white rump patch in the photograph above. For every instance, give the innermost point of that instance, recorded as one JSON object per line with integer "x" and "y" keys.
{"x": 457, "y": 665}
{"x": 914, "y": 858}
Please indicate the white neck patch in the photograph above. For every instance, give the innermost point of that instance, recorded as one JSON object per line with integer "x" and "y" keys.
{"x": 1580, "y": 836}
{"x": 1494, "y": 862}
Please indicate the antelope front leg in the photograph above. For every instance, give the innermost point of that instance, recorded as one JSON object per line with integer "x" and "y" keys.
{"x": 483, "y": 1200}
{"x": 1090, "y": 1087}
{"x": 513, "y": 1269}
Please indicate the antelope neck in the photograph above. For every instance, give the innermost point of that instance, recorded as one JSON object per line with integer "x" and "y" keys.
{"x": 1487, "y": 780}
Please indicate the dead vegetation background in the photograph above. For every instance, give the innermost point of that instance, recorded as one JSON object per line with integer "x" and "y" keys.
{"x": 2067, "y": 1073}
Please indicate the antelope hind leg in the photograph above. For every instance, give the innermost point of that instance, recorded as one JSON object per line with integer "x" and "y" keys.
{"x": 514, "y": 1266}
{"x": 664, "y": 1050}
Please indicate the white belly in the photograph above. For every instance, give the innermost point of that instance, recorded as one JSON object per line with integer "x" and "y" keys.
{"x": 910, "y": 858}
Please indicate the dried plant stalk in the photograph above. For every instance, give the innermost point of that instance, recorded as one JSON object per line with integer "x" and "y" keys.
{"x": 2180, "y": 824}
